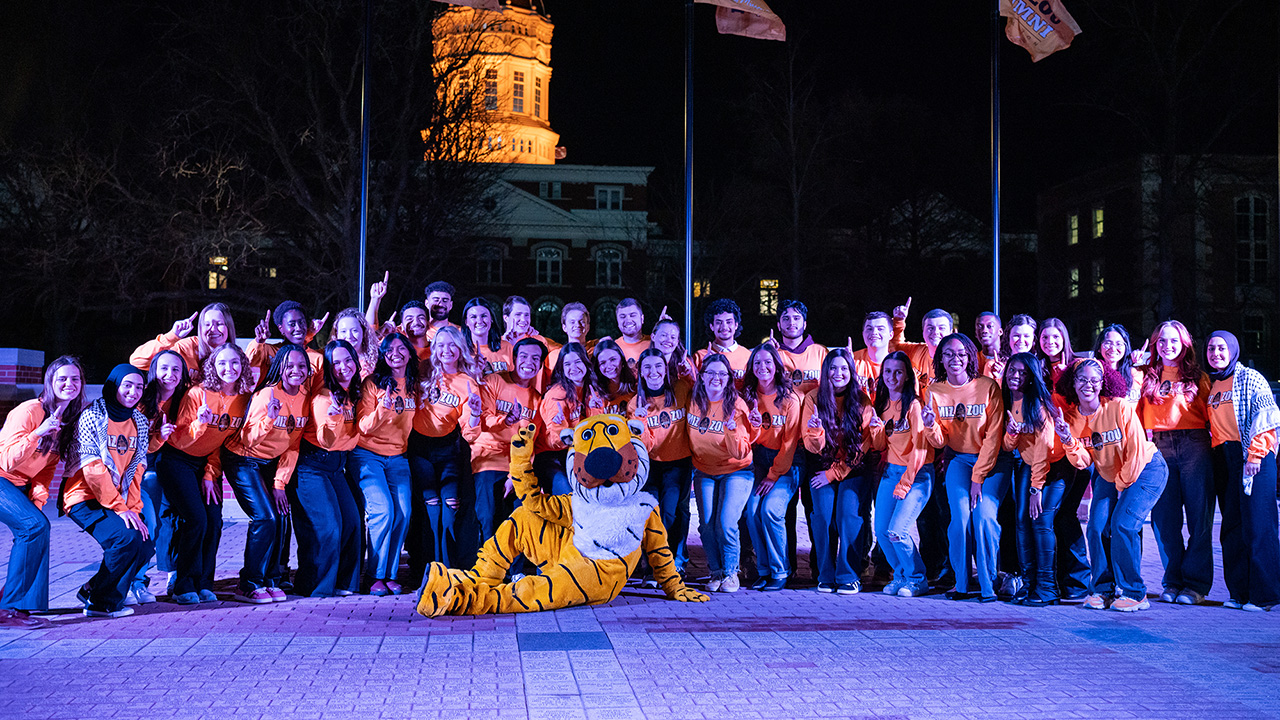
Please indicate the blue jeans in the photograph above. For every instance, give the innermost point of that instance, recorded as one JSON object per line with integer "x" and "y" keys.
{"x": 123, "y": 552}
{"x": 157, "y": 517}
{"x": 1073, "y": 555}
{"x": 979, "y": 528}
{"x": 767, "y": 516}
{"x": 326, "y": 522}
{"x": 26, "y": 587}
{"x": 1190, "y": 487}
{"x": 839, "y": 514}
{"x": 440, "y": 467}
{"x": 895, "y": 518}
{"x": 197, "y": 529}
{"x": 250, "y": 479}
{"x": 721, "y": 500}
{"x": 1037, "y": 543}
{"x": 1250, "y": 544}
{"x": 672, "y": 482}
{"x": 387, "y": 496}
{"x": 1121, "y": 515}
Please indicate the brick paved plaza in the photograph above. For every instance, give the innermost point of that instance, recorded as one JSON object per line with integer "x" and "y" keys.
{"x": 789, "y": 654}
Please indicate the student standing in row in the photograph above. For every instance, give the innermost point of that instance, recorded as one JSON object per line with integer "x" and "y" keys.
{"x": 660, "y": 405}
{"x": 775, "y": 413}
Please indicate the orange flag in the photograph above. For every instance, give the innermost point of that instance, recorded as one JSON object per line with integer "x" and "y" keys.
{"x": 477, "y": 4}
{"x": 750, "y": 18}
{"x": 1043, "y": 27}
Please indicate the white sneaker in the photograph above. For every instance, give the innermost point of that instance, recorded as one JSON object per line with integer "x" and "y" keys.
{"x": 139, "y": 595}
{"x": 713, "y": 585}
{"x": 730, "y": 584}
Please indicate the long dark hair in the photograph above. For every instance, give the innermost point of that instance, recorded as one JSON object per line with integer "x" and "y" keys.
{"x": 62, "y": 442}
{"x": 700, "y": 397}
{"x": 667, "y": 392}
{"x": 782, "y": 391}
{"x": 332, "y": 383}
{"x": 1035, "y": 394}
{"x": 626, "y": 378}
{"x": 276, "y": 372}
{"x": 843, "y": 426}
{"x": 1125, "y": 366}
{"x": 1067, "y": 353}
{"x": 382, "y": 375}
{"x": 150, "y": 402}
{"x": 589, "y": 382}
{"x": 494, "y": 341}
{"x": 908, "y": 385}
{"x": 971, "y": 350}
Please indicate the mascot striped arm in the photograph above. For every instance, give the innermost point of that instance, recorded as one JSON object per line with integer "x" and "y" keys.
{"x": 585, "y": 544}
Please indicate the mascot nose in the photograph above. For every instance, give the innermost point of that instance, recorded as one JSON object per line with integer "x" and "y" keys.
{"x": 602, "y": 463}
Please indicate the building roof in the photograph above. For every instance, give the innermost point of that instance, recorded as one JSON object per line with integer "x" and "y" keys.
{"x": 538, "y": 6}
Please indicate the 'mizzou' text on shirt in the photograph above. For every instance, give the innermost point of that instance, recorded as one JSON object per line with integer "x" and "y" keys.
{"x": 961, "y": 411}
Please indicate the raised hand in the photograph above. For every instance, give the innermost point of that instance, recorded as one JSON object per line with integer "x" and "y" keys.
{"x": 51, "y": 424}
{"x": 317, "y": 325}
{"x": 755, "y": 417}
{"x": 731, "y": 424}
{"x": 559, "y": 417}
{"x": 642, "y": 411}
{"x": 1059, "y": 424}
{"x": 1143, "y": 356}
{"x": 815, "y": 422}
{"x": 378, "y": 290}
{"x": 262, "y": 330}
{"x": 389, "y": 326}
{"x": 183, "y": 327}
{"x": 473, "y": 400}
{"x": 166, "y": 429}
{"x": 902, "y": 311}
{"x": 273, "y": 404}
{"x": 336, "y": 408}
{"x": 204, "y": 415}
{"x": 875, "y": 422}
{"x": 517, "y": 411}
{"x": 1009, "y": 427}
{"x": 772, "y": 340}
{"x": 927, "y": 415}
{"x": 663, "y": 315}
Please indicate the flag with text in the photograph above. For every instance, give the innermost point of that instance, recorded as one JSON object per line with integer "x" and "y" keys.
{"x": 749, "y": 18}
{"x": 1042, "y": 27}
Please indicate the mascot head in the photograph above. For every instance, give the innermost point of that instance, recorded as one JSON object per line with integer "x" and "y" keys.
{"x": 607, "y": 463}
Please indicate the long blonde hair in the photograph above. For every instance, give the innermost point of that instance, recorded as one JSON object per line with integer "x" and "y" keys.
{"x": 467, "y": 362}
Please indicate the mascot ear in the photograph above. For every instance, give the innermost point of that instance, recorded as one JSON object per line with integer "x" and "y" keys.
{"x": 566, "y": 436}
{"x": 636, "y": 428}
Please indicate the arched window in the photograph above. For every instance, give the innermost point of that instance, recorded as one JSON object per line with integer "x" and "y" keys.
{"x": 550, "y": 265}
{"x": 609, "y": 267}
{"x": 489, "y": 265}
{"x": 546, "y": 313}
{"x": 604, "y": 316}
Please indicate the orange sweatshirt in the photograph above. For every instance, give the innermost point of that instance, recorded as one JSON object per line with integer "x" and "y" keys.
{"x": 617, "y": 402}
{"x": 267, "y": 439}
{"x": 93, "y": 481}
{"x": 779, "y": 430}
{"x": 1112, "y": 440}
{"x": 443, "y": 404}
{"x": 261, "y": 354}
{"x": 198, "y": 439}
{"x": 716, "y": 449}
{"x": 21, "y": 461}
{"x": 921, "y": 357}
{"x": 188, "y": 348}
{"x": 331, "y": 432}
{"x": 1036, "y": 447}
{"x": 491, "y": 438}
{"x": 158, "y": 442}
{"x": 738, "y": 356}
{"x": 866, "y": 371}
{"x": 631, "y": 350}
{"x": 384, "y": 430}
{"x": 1223, "y": 426}
{"x": 805, "y": 368}
{"x": 906, "y": 440}
{"x": 815, "y": 438}
{"x": 666, "y": 432}
{"x": 1171, "y": 410}
{"x": 496, "y": 361}
{"x": 972, "y": 420}
{"x": 558, "y": 412}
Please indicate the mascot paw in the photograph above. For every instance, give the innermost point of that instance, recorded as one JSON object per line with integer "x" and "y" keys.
{"x": 685, "y": 594}
{"x": 524, "y": 435}
{"x": 437, "y": 592}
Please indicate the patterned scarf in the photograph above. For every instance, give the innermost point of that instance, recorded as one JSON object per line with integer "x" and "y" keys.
{"x": 91, "y": 443}
{"x": 1255, "y": 408}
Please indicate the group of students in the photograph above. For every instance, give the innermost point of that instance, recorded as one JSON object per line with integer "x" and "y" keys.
{"x": 395, "y": 436}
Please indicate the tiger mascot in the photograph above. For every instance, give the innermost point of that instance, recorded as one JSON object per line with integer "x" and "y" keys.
{"x": 585, "y": 544}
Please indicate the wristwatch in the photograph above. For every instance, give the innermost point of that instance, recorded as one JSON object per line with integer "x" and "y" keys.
{"x": 1034, "y": 491}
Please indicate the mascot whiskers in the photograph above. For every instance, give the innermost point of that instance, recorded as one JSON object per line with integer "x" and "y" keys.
{"x": 585, "y": 544}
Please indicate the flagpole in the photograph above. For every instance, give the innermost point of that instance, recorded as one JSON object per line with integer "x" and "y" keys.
{"x": 688, "y": 173}
{"x": 364, "y": 151}
{"x": 995, "y": 157}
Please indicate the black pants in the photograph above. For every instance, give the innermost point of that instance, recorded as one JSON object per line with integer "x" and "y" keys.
{"x": 123, "y": 553}
{"x": 440, "y": 469}
{"x": 193, "y": 550}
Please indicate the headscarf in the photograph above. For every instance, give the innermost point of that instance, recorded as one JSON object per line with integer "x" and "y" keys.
{"x": 1233, "y": 355}
{"x": 111, "y": 388}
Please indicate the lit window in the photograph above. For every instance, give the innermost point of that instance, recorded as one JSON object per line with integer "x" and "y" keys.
{"x": 537, "y": 97}
{"x": 1254, "y": 335}
{"x": 609, "y": 268}
{"x": 1097, "y": 222}
{"x": 701, "y": 288}
{"x": 491, "y": 90}
{"x": 608, "y": 197}
{"x": 1251, "y": 240}
{"x": 550, "y": 262}
{"x": 768, "y": 296}
{"x": 1097, "y": 328}
{"x": 217, "y": 279}
{"x": 517, "y": 92}
{"x": 489, "y": 265}
{"x": 1098, "y": 282}
{"x": 1073, "y": 229}
{"x": 1073, "y": 282}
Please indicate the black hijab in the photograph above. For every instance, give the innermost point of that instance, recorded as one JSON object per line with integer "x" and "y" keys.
{"x": 1233, "y": 348}
{"x": 111, "y": 388}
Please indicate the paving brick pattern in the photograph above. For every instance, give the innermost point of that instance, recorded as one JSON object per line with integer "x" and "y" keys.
{"x": 791, "y": 654}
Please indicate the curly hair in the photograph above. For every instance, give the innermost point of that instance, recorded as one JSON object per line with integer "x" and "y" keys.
{"x": 209, "y": 371}
{"x": 971, "y": 362}
{"x": 1113, "y": 385}
{"x": 722, "y": 306}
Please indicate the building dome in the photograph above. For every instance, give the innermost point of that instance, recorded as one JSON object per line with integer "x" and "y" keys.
{"x": 537, "y": 6}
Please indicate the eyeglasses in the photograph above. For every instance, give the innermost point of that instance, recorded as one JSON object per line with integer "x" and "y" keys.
{"x": 948, "y": 355}
{"x": 1089, "y": 382}
{"x": 716, "y": 375}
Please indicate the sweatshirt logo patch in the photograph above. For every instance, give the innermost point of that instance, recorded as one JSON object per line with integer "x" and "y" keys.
{"x": 665, "y": 419}
{"x": 961, "y": 412}
{"x": 1022, "y": 428}
{"x": 799, "y": 376}
{"x": 1219, "y": 398}
{"x": 507, "y": 407}
{"x": 225, "y": 422}
{"x": 120, "y": 444}
{"x": 704, "y": 425}
{"x": 1169, "y": 389}
{"x": 291, "y": 423}
{"x": 496, "y": 366}
{"x": 1110, "y": 437}
{"x": 900, "y": 425}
